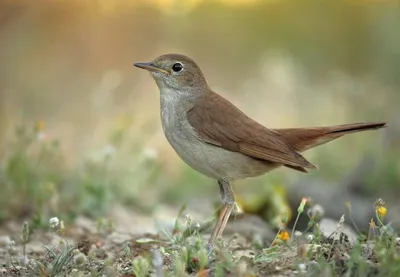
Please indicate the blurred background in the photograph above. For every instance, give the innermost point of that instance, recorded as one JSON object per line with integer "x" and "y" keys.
{"x": 80, "y": 132}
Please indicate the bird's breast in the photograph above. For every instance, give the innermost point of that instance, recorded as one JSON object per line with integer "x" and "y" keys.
{"x": 210, "y": 160}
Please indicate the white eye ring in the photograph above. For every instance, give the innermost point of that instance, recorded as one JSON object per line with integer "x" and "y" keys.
{"x": 177, "y": 67}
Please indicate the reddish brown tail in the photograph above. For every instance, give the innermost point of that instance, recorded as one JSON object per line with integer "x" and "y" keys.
{"x": 305, "y": 138}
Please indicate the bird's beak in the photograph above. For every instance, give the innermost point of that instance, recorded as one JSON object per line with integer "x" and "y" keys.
{"x": 149, "y": 66}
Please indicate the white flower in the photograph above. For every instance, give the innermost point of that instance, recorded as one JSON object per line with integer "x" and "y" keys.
{"x": 310, "y": 237}
{"x": 197, "y": 225}
{"x": 302, "y": 267}
{"x": 188, "y": 219}
{"x": 108, "y": 151}
{"x": 11, "y": 245}
{"x": 41, "y": 136}
{"x": 297, "y": 234}
{"x": 4, "y": 241}
{"x": 150, "y": 153}
{"x": 54, "y": 221}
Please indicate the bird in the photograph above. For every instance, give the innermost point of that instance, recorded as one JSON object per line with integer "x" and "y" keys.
{"x": 217, "y": 139}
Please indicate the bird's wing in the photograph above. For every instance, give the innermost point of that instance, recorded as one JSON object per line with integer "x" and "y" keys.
{"x": 220, "y": 123}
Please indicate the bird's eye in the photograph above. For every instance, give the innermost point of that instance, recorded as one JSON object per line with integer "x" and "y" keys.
{"x": 177, "y": 67}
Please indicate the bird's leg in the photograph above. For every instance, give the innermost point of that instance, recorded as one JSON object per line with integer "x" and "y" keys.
{"x": 228, "y": 203}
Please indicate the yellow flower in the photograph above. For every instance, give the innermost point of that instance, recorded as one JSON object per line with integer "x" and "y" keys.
{"x": 381, "y": 211}
{"x": 380, "y": 208}
{"x": 283, "y": 236}
{"x": 39, "y": 126}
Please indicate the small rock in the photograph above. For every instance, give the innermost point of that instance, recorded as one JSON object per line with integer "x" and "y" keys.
{"x": 58, "y": 241}
{"x": 109, "y": 271}
{"x": 98, "y": 253}
{"x": 244, "y": 254}
{"x": 23, "y": 260}
{"x": 35, "y": 247}
{"x": 118, "y": 238}
{"x": 249, "y": 225}
{"x": 237, "y": 241}
{"x": 84, "y": 225}
{"x": 367, "y": 250}
{"x": 329, "y": 229}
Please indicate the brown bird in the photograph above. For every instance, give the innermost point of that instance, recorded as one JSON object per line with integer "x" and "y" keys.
{"x": 217, "y": 139}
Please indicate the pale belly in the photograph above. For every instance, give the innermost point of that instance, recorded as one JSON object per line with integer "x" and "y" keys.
{"x": 212, "y": 161}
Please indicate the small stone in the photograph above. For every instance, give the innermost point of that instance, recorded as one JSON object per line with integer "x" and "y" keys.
{"x": 99, "y": 253}
{"x": 35, "y": 247}
{"x": 367, "y": 250}
{"x": 23, "y": 260}
{"x": 157, "y": 259}
{"x": 249, "y": 225}
{"x": 119, "y": 239}
{"x": 329, "y": 229}
{"x": 109, "y": 271}
{"x": 247, "y": 255}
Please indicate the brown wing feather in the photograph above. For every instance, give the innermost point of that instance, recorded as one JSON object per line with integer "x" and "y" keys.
{"x": 303, "y": 139}
{"x": 234, "y": 131}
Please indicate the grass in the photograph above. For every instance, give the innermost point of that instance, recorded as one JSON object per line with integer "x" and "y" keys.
{"x": 37, "y": 186}
{"x": 183, "y": 252}
{"x": 38, "y": 183}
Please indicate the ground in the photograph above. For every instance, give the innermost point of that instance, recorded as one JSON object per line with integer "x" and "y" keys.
{"x": 103, "y": 248}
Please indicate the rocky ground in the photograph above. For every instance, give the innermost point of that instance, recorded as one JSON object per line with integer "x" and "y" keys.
{"x": 133, "y": 245}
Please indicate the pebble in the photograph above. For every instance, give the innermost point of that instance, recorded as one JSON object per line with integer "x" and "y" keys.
{"x": 118, "y": 239}
{"x": 329, "y": 229}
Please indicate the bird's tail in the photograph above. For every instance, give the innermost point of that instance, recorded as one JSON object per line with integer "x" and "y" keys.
{"x": 303, "y": 139}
